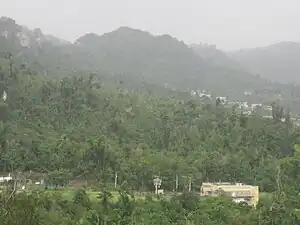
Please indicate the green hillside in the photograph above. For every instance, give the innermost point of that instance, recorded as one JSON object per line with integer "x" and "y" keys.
{"x": 161, "y": 60}
{"x": 68, "y": 126}
{"x": 81, "y": 127}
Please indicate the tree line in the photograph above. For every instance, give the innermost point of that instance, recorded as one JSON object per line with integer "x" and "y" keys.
{"x": 82, "y": 126}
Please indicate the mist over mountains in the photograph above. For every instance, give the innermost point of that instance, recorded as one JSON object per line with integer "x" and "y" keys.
{"x": 134, "y": 128}
{"x": 277, "y": 62}
{"x": 163, "y": 60}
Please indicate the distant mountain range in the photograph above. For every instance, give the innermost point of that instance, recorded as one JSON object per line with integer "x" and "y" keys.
{"x": 162, "y": 60}
{"x": 217, "y": 57}
{"x": 279, "y": 62}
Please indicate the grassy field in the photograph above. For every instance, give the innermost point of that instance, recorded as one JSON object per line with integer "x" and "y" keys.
{"x": 68, "y": 194}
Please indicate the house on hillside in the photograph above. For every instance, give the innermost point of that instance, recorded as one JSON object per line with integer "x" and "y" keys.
{"x": 221, "y": 99}
{"x": 255, "y": 106}
{"x": 237, "y": 191}
{"x": 193, "y": 93}
{"x": 5, "y": 178}
{"x": 247, "y": 93}
{"x": 243, "y": 105}
{"x": 205, "y": 95}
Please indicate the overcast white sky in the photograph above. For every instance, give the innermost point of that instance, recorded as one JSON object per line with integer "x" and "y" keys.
{"x": 230, "y": 24}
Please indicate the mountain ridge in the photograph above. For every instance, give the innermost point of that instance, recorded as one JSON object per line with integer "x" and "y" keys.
{"x": 216, "y": 56}
{"x": 161, "y": 59}
{"x": 278, "y": 62}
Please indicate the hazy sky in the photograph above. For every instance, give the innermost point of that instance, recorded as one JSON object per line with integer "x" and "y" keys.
{"x": 230, "y": 24}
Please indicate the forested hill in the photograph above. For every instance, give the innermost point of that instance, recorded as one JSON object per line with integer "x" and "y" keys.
{"x": 216, "y": 56}
{"x": 142, "y": 57}
{"x": 277, "y": 62}
{"x": 157, "y": 59}
{"x": 61, "y": 123}
{"x": 93, "y": 126}
{"x": 86, "y": 128}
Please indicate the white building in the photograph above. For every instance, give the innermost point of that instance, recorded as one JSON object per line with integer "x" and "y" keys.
{"x": 204, "y": 95}
{"x": 5, "y": 179}
{"x": 254, "y": 106}
{"x": 223, "y": 100}
{"x": 247, "y": 93}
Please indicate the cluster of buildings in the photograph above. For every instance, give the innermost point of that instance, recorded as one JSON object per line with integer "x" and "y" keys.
{"x": 237, "y": 191}
{"x": 22, "y": 182}
{"x": 246, "y": 107}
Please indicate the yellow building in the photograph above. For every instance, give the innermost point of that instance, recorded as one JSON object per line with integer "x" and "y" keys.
{"x": 238, "y": 192}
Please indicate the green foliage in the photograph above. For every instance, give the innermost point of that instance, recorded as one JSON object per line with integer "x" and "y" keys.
{"x": 72, "y": 128}
{"x": 38, "y": 208}
{"x": 143, "y": 58}
{"x": 58, "y": 178}
{"x": 85, "y": 128}
{"x": 81, "y": 198}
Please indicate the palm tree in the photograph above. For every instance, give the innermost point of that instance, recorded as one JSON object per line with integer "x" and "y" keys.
{"x": 104, "y": 198}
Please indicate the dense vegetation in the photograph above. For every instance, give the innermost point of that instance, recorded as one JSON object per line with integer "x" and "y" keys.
{"x": 120, "y": 120}
{"x": 161, "y": 60}
{"x": 90, "y": 127}
{"x": 186, "y": 209}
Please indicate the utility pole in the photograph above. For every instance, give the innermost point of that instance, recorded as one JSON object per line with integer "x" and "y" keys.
{"x": 190, "y": 184}
{"x": 116, "y": 180}
{"x": 176, "y": 183}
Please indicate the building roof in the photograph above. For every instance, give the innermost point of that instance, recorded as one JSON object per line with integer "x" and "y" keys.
{"x": 229, "y": 187}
